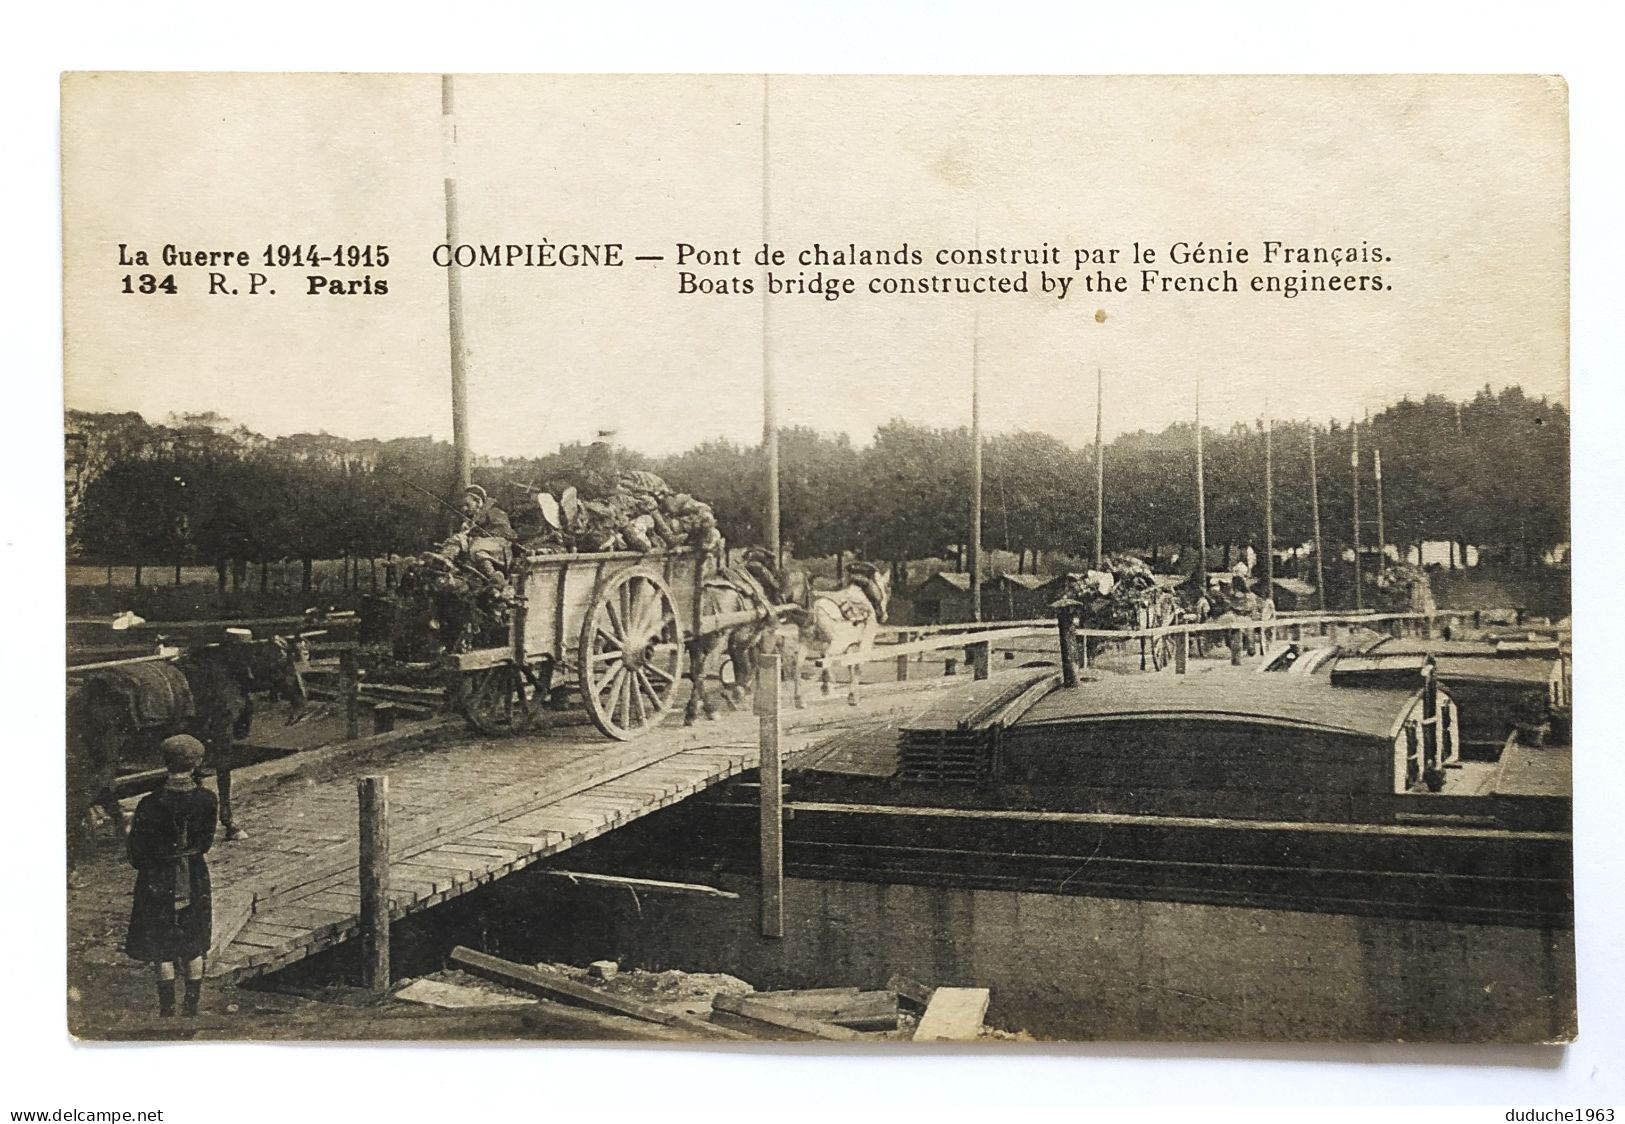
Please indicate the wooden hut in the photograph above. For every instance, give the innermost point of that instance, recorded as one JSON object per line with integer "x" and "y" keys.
{"x": 943, "y": 598}
{"x": 1014, "y": 597}
{"x": 1294, "y": 595}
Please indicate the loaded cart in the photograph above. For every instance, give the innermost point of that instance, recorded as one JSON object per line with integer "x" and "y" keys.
{"x": 612, "y": 626}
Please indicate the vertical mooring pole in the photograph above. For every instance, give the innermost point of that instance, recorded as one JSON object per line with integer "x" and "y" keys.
{"x": 771, "y": 775}
{"x": 372, "y": 795}
{"x": 1069, "y": 643}
{"x": 980, "y": 658}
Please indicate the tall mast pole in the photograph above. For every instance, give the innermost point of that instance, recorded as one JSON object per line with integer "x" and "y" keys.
{"x": 770, "y": 404}
{"x": 454, "y": 303}
{"x": 1100, "y": 471}
{"x": 1201, "y": 497}
{"x": 1382, "y": 534}
{"x": 1354, "y": 474}
{"x": 1314, "y": 504}
{"x": 976, "y": 475}
{"x": 1269, "y": 505}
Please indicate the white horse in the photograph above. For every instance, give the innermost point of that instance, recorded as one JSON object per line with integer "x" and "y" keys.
{"x": 842, "y": 622}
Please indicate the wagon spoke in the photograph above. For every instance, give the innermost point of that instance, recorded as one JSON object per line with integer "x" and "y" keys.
{"x": 648, "y": 687}
{"x": 666, "y": 652}
{"x": 624, "y": 595}
{"x": 621, "y": 703}
{"x": 635, "y": 695}
{"x": 655, "y": 669}
{"x": 610, "y": 683}
{"x": 647, "y": 612}
{"x": 632, "y": 598}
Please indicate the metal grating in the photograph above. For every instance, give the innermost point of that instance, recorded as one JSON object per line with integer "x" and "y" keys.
{"x": 946, "y": 756}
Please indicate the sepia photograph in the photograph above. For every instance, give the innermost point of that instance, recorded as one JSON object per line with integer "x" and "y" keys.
{"x": 859, "y": 561}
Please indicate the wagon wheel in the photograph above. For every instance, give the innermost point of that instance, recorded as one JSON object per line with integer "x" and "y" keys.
{"x": 631, "y": 655}
{"x": 1164, "y": 612}
{"x": 496, "y": 700}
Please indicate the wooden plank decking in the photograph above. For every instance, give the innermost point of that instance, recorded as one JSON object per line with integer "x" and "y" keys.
{"x": 465, "y": 814}
{"x": 312, "y": 903}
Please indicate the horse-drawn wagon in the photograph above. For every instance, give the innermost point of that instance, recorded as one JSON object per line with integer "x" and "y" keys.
{"x": 609, "y": 627}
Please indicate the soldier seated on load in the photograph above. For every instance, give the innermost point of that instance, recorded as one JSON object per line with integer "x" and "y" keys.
{"x": 487, "y": 536}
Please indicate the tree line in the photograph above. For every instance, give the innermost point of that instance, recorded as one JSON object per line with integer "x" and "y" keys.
{"x": 1492, "y": 472}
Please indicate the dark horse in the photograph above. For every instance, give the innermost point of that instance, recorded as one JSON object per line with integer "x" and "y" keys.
{"x": 122, "y": 713}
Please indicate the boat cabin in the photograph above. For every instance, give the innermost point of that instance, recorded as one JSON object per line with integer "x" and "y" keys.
{"x": 1234, "y": 745}
{"x": 1490, "y": 679}
{"x": 1152, "y": 741}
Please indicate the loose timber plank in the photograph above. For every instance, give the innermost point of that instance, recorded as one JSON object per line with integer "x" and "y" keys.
{"x": 753, "y": 1010}
{"x": 651, "y": 885}
{"x": 911, "y": 991}
{"x": 551, "y": 986}
{"x": 954, "y": 1014}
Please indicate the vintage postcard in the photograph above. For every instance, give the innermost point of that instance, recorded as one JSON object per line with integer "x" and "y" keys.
{"x": 839, "y": 559}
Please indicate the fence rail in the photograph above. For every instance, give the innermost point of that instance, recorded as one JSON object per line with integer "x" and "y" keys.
{"x": 973, "y": 636}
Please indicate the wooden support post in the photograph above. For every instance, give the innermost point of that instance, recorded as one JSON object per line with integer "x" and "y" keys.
{"x": 1069, "y": 643}
{"x": 350, "y": 692}
{"x": 771, "y": 796}
{"x": 902, "y": 661}
{"x": 373, "y": 798}
{"x": 980, "y": 658}
{"x": 1432, "y": 752}
{"x": 1235, "y": 647}
{"x": 1182, "y": 653}
{"x": 383, "y": 718}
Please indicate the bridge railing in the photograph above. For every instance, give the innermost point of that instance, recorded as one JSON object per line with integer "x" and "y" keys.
{"x": 978, "y": 639}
